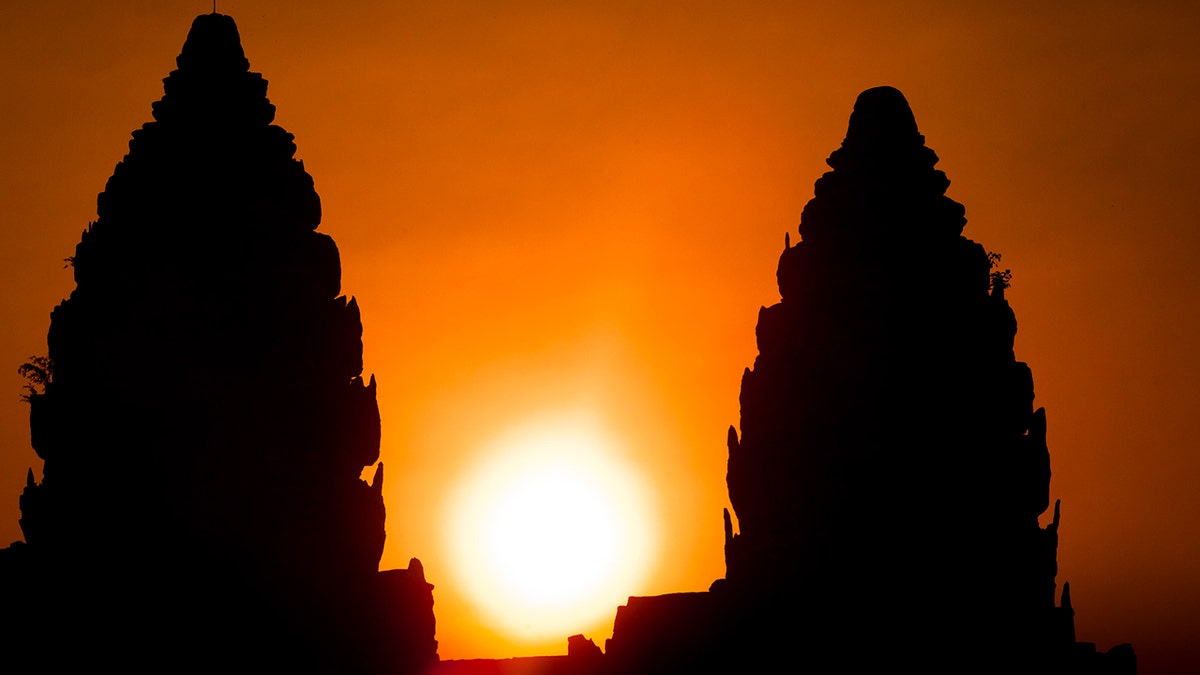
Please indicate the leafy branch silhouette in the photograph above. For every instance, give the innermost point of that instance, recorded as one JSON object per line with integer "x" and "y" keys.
{"x": 38, "y": 373}
{"x": 1001, "y": 279}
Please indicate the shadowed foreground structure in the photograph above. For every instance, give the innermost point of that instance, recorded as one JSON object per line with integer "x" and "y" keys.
{"x": 891, "y": 467}
{"x": 203, "y": 423}
{"x": 204, "y": 420}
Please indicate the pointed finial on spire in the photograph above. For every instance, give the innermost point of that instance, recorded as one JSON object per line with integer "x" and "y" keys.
{"x": 787, "y": 240}
{"x": 213, "y": 45}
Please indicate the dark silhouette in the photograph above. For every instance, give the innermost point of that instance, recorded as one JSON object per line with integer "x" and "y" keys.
{"x": 891, "y": 467}
{"x": 203, "y": 419}
{"x": 203, "y": 423}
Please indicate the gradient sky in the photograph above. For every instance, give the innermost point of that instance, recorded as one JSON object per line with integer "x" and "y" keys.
{"x": 545, "y": 206}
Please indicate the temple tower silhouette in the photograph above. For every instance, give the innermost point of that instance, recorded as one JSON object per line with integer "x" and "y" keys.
{"x": 891, "y": 468}
{"x": 206, "y": 420}
{"x": 890, "y": 456}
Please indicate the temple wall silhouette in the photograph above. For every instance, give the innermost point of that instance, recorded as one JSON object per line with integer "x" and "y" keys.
{"x": 204, "y": 419}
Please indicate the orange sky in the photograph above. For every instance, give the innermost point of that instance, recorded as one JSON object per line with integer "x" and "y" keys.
{"x": 546, "y": 205}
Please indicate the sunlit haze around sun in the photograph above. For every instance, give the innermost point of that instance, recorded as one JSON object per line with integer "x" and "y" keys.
{"x": 550, "y": 530}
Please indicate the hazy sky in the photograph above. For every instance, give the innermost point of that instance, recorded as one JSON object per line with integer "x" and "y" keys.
{"x": 547, "y": 207}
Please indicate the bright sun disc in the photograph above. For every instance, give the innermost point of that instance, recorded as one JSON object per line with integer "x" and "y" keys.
{"x": 550, "y": 531}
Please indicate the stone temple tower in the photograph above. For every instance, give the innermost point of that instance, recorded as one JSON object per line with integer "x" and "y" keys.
{"x": 891, "y": 467}
{"x": 206, "y": 419}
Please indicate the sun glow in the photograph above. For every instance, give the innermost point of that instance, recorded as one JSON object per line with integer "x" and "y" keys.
{"x": 551, "y": 530}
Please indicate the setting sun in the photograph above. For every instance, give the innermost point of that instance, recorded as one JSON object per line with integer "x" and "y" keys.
{"x": 550, "y": 529}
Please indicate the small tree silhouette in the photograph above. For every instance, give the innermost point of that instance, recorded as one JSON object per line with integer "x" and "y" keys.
{"x": 1001, "y": 279}
{"x": 38, "y": 373}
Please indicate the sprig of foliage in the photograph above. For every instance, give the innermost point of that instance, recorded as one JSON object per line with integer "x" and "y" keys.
{"x": 1001, "y": 279}
{"x": 38, "y": 373}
